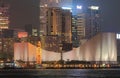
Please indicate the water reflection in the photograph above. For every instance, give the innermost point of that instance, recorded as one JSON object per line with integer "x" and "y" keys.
{"x": 60, "y": 73}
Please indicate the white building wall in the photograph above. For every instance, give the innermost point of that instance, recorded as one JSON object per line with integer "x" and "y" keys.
{"x": 50, "y": 56}
{"x": 100, "y": 48}
{"x": 24, "y": 51}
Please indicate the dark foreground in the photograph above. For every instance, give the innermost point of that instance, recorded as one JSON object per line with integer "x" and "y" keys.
{"x": 60, "y": 73}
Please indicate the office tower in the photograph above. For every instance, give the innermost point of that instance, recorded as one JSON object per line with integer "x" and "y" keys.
{"x": 54, "y": 21}
{"x": 57, "y": 27}
{"x": 78, "y": 28}
{"x": 86, "y": 23}
{"x": 4, "y": 15}
{"x": 43, "y": 5}
{"x": 59, "y": 23}
{"x": 93, "y": 21}
{"x": 50, "y": 3}
{"x": 66, "y": 25}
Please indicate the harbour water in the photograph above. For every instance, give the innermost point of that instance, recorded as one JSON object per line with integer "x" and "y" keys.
{"x": 60, "y": 73}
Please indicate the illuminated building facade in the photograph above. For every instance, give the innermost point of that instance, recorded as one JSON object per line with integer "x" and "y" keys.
{"x": 43, "y": 5}
{"x": 118, "y": 46}
{"x": 66, "y": 25}
{"x": 4, "y": 15}
{"x": 92, "y": 21}
{"x": 78, "y": 28}
{"x": 54, "y": 26}
{"x": 47, "y": 4}
{"x": 102, "y": 48}
{"x": 28, "y": 52}
{"x": 25, "y": 51}
{"x": 85, "y": 19}
{"x": 57, "y": 24}
{"x": 85, "y": 24}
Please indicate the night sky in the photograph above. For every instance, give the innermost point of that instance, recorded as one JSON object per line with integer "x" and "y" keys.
{"x": 24, "y": 12}
{"x": 27, "y": 12}
{"x": 110, "y": 12}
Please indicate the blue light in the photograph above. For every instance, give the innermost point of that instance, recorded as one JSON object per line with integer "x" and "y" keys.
{"x": 79, "y": 7}
{"x": 66, "y": 8}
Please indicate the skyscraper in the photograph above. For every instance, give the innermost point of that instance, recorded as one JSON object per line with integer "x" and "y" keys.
{"x": 57, "y": 26}
{"x": 85, "y": 18}
{"x": 86, "y": 21}
{"x": 4, "y": 15}
{"x": 93, "y": 21}
{"x": 78, "y": 28}
{"x": 50, "y": 3}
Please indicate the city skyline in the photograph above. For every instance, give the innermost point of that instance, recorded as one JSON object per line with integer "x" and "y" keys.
{"x": 108, "y": 12}
{"x": 52, "y": 27}
{"x": 45, "y": 30}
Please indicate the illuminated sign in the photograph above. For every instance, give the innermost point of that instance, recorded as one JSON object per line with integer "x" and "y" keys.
{"x": 118, "y": 36}
{"x": 22, "y": 34}
{"x": 79, "y": 7}
{"x": 94, "y": 7}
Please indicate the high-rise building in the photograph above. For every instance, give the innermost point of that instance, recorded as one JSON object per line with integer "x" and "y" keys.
{"x": 85, "y": 19}
{"x": 59, "y": 23}
{"x": 78, "y": 28}
{"x": 66, "y": 25}
{"x": 93, "y": 21}
{"x": 4, "y": 15}
{"x": 57, "y": 27}
{"x": 43, "y": 5}
{"x": 55, "y": 23}
{"x": 50, "y": 3}
{"x": 86, "y": 23}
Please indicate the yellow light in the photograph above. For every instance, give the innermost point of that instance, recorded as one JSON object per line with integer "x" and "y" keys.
{"x": 39, "y": 54}
{"x": 95, "y": 65}
{"x": 1, "y": 61}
